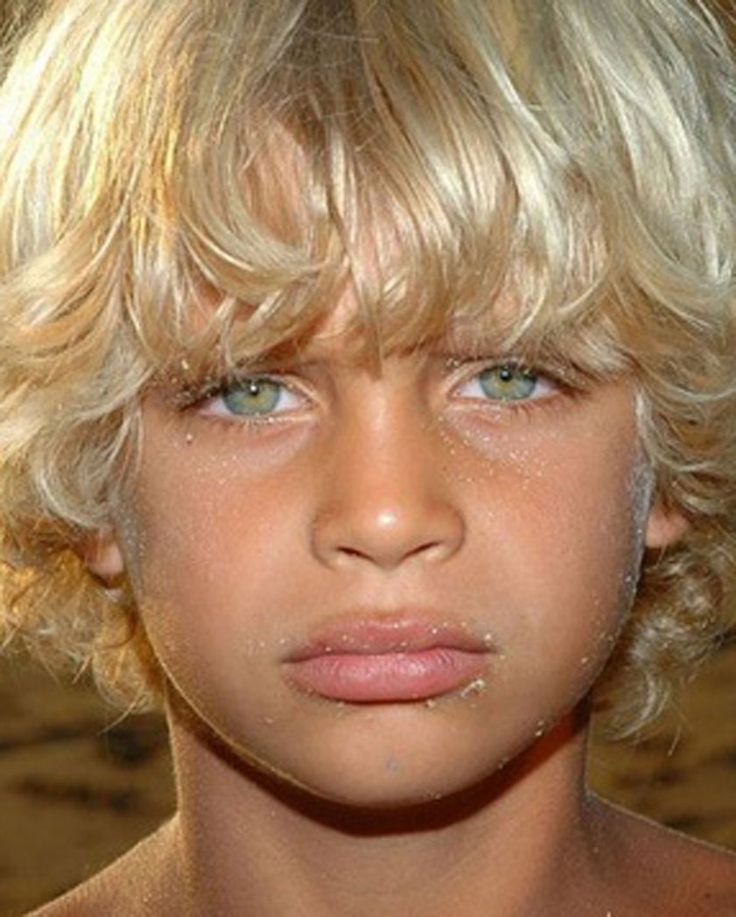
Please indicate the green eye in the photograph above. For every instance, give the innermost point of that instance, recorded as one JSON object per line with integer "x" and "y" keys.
{"x": 253, "y": 397}
{"x": 507, "y": 383}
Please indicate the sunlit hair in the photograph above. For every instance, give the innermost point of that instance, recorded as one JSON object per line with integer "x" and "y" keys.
{"x": 574, "y": 159}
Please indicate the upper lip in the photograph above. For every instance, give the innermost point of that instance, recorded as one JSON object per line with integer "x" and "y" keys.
{"x": 382, "y": 633}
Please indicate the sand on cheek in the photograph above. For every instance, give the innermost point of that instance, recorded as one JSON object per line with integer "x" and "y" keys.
{"x": 563, "y": 502}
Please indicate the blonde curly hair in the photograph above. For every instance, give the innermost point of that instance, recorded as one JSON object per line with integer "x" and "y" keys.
{"x": 579, "y": 157}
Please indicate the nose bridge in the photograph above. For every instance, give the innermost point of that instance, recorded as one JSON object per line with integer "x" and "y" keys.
{"x": 385, "y": 497}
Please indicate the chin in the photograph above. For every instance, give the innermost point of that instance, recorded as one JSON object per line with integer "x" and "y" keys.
{"x": 389, "y": 774}
{"x": 463, "y": 773}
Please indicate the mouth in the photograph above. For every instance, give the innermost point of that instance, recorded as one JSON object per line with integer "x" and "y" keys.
{"x": 388, "y": 659}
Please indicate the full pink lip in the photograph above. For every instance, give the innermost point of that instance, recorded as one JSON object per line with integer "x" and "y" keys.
{"x": 387, "y": 658}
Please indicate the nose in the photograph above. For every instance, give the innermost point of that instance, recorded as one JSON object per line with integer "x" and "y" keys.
{"x": 386, "y": 499}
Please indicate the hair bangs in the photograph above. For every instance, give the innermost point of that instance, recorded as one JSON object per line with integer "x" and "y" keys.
{"x": 351, "y": 173}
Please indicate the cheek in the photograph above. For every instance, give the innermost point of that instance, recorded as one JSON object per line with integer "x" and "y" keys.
{"x": 562, "y": 521}
{"x": 583, "y": 519}
{"x": 210, "y": 571}
{"x": 209, "y": 531}
{"x": 204, "y": 510}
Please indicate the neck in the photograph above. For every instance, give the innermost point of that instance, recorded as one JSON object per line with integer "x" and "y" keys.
{"x": 247, "y": 843}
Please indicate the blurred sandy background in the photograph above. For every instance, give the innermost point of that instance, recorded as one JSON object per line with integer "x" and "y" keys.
{"x": 76, "y": 790}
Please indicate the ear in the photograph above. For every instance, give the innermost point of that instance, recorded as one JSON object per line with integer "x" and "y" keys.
{"x": 665, "y": 525}
{"x": 102, "y": 556}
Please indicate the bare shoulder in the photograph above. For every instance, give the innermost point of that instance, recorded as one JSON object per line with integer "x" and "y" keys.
{"x": 131, "y": 885}
{"x": 675, "y": 874}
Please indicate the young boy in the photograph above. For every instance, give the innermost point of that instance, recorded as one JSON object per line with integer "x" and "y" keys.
{"x": 366, "y": 371}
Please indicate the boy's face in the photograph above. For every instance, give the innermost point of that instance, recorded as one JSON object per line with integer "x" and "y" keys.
{"x": 453, "y": 548}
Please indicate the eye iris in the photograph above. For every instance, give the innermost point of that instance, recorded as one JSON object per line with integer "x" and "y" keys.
{"x": 507, "y": 383}
{"x": 253, "y": 396}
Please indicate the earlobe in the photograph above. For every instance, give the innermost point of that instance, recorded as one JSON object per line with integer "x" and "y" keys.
{"x": 665, "y": 526}
{"x": 102, "y": 555}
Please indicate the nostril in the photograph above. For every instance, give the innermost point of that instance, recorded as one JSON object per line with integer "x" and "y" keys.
{"x": 352, "y": 552}
{"x": 400, "y": 555}
{"x": 426, "y": 548}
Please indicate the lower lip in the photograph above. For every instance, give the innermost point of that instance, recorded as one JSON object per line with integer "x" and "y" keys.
{"x": 387, "y": 677}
